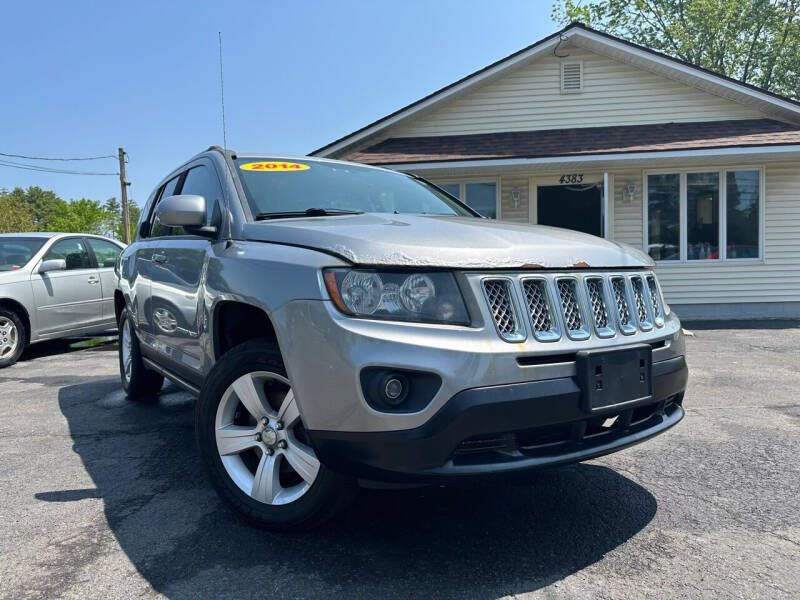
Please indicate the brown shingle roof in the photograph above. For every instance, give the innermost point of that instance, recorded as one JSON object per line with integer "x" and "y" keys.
{"x": 580, "y": 141}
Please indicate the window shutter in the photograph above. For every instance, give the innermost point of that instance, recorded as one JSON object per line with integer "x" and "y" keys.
{"x": 571, "y": 77}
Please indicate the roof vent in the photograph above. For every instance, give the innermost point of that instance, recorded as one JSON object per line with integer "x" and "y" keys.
{"x": 571, "y": 77}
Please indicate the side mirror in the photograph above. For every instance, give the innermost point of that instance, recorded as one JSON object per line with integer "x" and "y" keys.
{"x": 54, "y": 264}
{"x": 184, "y": 210}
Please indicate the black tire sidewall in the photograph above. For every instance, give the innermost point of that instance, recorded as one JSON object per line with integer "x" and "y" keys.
{"x": 144, "y": 383}
{"x": 22, "y": 333}
{"x": 329, "y": 492}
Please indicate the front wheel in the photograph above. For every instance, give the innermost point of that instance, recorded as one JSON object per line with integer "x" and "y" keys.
{"x": 12, "y": 337}
{"x": 254, "y": 446}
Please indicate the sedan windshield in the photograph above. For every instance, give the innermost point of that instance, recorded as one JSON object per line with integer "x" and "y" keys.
{"x": 16, "y": 252}
{"x": 277, "y": 188}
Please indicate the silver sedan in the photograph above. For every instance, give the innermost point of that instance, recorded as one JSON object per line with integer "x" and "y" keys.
{"x": 54, "y": 285}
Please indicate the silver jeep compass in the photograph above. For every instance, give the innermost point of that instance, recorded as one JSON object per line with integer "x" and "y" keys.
{"x": 343, "y": 324}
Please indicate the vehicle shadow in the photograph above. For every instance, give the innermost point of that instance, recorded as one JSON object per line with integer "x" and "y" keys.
{"x": 482, "y": 541}
{"x": 67, "y": 345}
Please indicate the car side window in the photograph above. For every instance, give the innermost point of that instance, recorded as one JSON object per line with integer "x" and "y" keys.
{"x": 105, "y": 252}
{"x": 156, "y": 228}
{"x": 73, "y": 251}
{"x": 202, "y": 181}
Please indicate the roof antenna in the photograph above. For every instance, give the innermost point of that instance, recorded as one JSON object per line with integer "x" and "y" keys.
{"x": 222, "y": 94}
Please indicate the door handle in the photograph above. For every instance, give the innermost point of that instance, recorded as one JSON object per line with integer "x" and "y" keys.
{"x": 93, "y": 279}
{"x": 159, "y": 258}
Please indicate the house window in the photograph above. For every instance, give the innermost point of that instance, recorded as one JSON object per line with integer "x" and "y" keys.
{"x": 704, "y": 215}
{"x": 742, "y": 214}
{"x": 663, "y": 210}
{"x": 478, "y": 195}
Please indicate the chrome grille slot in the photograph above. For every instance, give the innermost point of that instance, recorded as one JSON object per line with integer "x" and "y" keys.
{"x": 571, "y": 308}
{"x": 595, "y": 291}
{"x": 655, "y": 301}
{"x": 540, "y": 310}
{"x": 622, "y": 305}
{"x": 501, "y": 304}
{"x": 640, "y": 299}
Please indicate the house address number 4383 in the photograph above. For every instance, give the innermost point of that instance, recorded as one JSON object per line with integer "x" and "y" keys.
{"x": 571, "y": 178}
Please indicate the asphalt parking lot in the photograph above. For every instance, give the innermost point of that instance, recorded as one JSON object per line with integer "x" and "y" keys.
{"x": 104, "y": 498}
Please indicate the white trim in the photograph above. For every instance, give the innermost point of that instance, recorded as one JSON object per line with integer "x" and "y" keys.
{"x": 722, "y": 172}
{"x": 502, "y": 162}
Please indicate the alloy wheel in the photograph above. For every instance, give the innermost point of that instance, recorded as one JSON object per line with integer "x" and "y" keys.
{"x": 261, "y": 439}
{"x": 9, "y": 337}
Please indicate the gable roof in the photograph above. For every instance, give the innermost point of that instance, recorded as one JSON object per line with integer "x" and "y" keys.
{"x": 592, "y": 39}
{"x": 585, "y": 141}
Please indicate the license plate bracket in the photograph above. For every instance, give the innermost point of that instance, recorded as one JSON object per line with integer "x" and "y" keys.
{"x": 617, "y": 376}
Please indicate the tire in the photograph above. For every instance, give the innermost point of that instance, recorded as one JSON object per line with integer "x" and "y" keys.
{"x": 255, "y": 451}
{"x": 139, "y": 382}
{"x": 13, "y": 337}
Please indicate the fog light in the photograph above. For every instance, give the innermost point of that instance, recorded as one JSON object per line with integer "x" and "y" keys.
{"x": 393, "y": 389}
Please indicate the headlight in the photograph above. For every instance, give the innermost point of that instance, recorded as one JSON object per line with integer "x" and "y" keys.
{"x": 430, "y": 297}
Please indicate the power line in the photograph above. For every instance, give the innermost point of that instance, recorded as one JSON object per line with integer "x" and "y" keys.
{"x": 50, "y": 158}
{"x": 16, "y": 165}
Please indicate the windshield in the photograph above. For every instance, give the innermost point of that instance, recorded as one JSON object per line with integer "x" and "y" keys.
{"x": 16, "y": 252}
{"x": 277, "y": 186}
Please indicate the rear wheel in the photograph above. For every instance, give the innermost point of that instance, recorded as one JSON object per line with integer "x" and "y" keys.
{"x": 257, "y": 453}
{"x": 12, "y": 337}
{"x": 138, "y": 381}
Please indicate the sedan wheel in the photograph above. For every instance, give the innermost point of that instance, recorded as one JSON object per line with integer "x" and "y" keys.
{"x": 261, "y": 440}
{"x": 9, "y": 337}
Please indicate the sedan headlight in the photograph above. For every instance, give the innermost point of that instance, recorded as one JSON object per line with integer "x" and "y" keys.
{"x": 431, "y": 297}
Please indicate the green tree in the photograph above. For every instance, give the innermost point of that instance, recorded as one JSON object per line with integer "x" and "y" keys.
{"x": 41, "y": 204}
{"x": 14, "y": 214}
{"x": 754, "y": 41}
{"x": 78, "y": 216}
{"x": 113, "y": 225}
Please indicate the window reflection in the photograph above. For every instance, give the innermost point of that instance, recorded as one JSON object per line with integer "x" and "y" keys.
{"x": 743, "y": 192}
{"x": 702, "y": 216}
{"x": 663, "y": 215}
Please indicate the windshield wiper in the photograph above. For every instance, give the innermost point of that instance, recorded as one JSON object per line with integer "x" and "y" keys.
{"x": 309, "y": 212}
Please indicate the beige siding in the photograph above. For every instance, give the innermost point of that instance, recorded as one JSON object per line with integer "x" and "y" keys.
{"x": 530, "y": 98}
{"x": 519, "y": 213}
{"x": 775, "y": 279}
{"x": 627, "y": 226}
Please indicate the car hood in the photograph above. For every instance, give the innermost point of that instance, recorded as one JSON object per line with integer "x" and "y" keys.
{"x": 14, "y": 276}
{"x": 443, "y": 241}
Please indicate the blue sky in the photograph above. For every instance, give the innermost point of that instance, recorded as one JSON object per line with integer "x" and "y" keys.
{"x": 82, "y": 78}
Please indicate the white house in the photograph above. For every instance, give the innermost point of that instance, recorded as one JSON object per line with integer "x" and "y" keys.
{"x": 587, "y": 131}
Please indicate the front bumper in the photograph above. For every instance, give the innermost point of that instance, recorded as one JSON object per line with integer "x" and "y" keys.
{"x": 506, "y": 429}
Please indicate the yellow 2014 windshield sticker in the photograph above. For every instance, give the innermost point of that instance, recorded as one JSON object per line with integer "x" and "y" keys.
{"x": 274, "y": 167}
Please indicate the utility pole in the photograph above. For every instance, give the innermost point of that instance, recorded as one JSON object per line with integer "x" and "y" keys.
{"x": 126, "y": 225}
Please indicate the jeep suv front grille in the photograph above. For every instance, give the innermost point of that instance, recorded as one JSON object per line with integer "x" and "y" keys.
{"x": 498, "y": 295}
{"x": 655, "y": 299}
{"x": 580, "y": 305}
{"x": 539, "y": 310}
{"x": 597, "y": 302}
{"x": 641, "y": 303}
